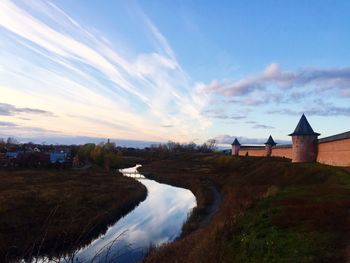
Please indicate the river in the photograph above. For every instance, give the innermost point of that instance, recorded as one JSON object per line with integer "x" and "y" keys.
{"x": 155, "y": 221}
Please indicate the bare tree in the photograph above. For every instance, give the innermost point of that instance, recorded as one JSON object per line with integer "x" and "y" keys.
{"x": 211, "y": 144}
{"x": 11, "y": 141}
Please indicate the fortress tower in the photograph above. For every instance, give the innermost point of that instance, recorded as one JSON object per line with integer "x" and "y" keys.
{"x": 268, "y": 146}
{"x": 304, "y": 141}
{"x": 235, "y": 147}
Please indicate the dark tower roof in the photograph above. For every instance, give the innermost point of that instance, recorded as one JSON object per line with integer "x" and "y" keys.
{"x": 236, "y": 142}
{"x": 270, "y": 141}
{"x": 303, "y": 128}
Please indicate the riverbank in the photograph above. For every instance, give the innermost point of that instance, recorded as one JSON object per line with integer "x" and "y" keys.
{"x": 179, "y": 171}
{"x": 272, "y": 210}
{"x": 157, "y": 220}
{"x": 46, "y": 212}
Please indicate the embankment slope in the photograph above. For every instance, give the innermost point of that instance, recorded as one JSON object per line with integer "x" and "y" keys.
{"x": 272, "y": 210}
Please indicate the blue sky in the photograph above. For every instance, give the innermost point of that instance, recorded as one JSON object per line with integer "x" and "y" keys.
{"x": 172, "y": 70}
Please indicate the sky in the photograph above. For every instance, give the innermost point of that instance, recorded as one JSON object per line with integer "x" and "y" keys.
{"x": 79, "y": 71}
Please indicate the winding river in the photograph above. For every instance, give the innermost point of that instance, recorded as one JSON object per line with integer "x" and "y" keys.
{"x": 155, "y": 221}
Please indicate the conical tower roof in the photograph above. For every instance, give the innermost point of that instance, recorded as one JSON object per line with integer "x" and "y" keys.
{"x": 303, "y": 128}
{"x": 270, "y": 141}
{"x": 236, "y": 142}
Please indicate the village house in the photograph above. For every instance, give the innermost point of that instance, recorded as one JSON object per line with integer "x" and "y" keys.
{"x": 35, "y": 155}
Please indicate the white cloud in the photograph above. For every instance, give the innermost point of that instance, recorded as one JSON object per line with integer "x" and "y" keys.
{"x": 321, "y": 79}
{"x": 67, "y": 68}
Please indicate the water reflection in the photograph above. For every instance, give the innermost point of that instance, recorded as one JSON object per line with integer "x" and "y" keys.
{"x": 155, "y": 221}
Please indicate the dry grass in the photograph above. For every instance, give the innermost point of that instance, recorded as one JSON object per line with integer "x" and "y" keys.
{"x": 54, "y": 211}
{"x": 272, "y": 210}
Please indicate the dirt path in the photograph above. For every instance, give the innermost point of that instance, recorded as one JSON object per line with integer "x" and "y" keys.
{"x": 214, "y": 206}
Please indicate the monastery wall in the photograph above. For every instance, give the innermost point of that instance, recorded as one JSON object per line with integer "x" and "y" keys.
{"x": 283, "y": 151}
{"x": 334, "y": 150}
{"x": 259, "y": 151}
{"x": 278, "y": 151}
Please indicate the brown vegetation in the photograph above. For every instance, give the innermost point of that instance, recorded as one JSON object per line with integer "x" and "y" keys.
{"x": 47, "y": 212}
{"x": 272, "y": 210}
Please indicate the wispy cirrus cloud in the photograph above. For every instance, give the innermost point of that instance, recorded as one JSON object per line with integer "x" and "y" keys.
{"x": 50, "y": 58}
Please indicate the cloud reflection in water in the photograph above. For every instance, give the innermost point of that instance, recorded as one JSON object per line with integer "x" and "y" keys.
{"x": 155, "y": 221}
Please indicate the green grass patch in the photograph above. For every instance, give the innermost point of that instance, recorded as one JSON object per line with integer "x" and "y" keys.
{"x": 315, "y": 194}
{"x": 343, "y": 177}
{"x": 257, "y": 239}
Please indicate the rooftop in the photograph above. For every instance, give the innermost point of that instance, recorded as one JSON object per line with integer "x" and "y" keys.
{"x": 236, "y": 142}
{"x": 270, "y": 141}
{"x": 304, "y": 128}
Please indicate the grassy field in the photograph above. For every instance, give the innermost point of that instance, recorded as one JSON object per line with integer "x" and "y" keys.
{"x": 272, "y": 210}
{"x": 52, "y": 211}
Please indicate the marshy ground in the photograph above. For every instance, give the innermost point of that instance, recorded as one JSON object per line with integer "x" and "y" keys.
{"x": 46, "y": 212}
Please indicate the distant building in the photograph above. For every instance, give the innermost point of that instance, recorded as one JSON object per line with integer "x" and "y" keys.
{"x": 305, "y": 147}
{"x": 305, "y": 142}
{"x": 36, "y": 149}
{"x": 235, "y": 147}
{"x": 268, "y": 146}
{"x": 13, "y": 154}
{"x": 58, "y": 157}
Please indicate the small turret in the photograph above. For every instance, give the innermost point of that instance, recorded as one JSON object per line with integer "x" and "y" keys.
{"x": 268, "y": 146}
{"x": 304, "y": 141}
{"x": 235, "y": 147}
